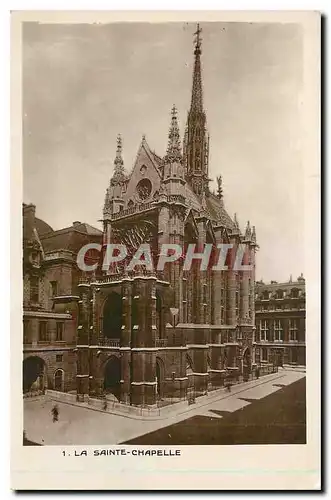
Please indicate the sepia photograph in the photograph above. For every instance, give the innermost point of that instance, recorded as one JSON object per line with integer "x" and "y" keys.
{"x": 164, "y": 269}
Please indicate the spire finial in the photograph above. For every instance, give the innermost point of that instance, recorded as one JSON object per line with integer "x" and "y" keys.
{"x": 174, "y": 148}
{"x": 196, "y": 103}
{"x": 118, "y": 163}
{"x": 197, "y": 50}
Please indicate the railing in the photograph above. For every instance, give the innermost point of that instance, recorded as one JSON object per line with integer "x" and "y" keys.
{"x": 111, "y": 278}
{"x": 161, "y": 342}
{"x": 177, "y": 340}
{"x": 176, "y": 198}
{"x": 110, "y": 342}
{"x": 141, "y": 207}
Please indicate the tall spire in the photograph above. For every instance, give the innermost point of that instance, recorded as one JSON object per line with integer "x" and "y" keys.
{"x": 196, "y": 100}
{"x": 174, "y": 148}
{"x": 118, "y": 162}
{"x": 196, "y": 141}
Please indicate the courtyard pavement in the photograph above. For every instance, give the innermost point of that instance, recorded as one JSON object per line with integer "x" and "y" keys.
{"x": 79, "y": 425}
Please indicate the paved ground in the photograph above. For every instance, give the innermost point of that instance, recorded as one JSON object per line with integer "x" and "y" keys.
{"x": 85, "y": 426}
{"x": 279, "y": 418}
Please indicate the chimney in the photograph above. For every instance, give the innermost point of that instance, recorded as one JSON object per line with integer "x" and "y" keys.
{"x": 29, "y": 213}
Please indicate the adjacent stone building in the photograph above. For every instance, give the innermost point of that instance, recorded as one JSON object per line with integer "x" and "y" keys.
{"x": 147, "y": 335}
{"x": 50, "y": 296}
{"x": 281, "y": 322}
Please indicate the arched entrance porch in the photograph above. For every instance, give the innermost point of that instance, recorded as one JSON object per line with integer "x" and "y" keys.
{"x": 59, "y": 380}
{"x": 112, "y": 377}
{"x": 247, "y": 363}
{"x": 34, "y": 374}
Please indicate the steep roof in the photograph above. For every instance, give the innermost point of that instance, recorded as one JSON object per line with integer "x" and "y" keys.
{"x": 71, "y": 238}
{"x": 300, "y": 283}
{"x": 217, "y": 211}
{"x": 83, "y": 227}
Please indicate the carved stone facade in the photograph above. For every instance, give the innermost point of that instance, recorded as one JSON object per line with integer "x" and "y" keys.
{"x": 144, "y": 335}
{"x": 50, "y": 302}
{"x": 281, "y": 322}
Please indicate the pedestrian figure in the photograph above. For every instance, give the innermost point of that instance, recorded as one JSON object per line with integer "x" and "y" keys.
{"x": 55, "y": 413}
{"x": 257, "y": 372}
{"x": 105, "y": 405}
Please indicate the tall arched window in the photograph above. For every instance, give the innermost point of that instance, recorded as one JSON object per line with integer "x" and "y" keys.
{"x": 192, "y": 277}
{"x": 159, "y": 316}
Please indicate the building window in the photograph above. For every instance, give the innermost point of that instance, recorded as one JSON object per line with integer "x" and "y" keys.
{"x": 34, "y": 289}
{"x": 278, "y": 329}
{"x": 293, "y": 330}
{"x": 264, "y": 330}
{"x": 205, "y": 314}
{"x": 265, "y": 295}
{"x": 59, "y": 358}
{"x": 294, "y": 293}
{"x": 59, "y": 332}
{"x": 222, "y": 316}
{"x": 237, "y": 304}
{"x": 205, "y": 291}
{"x": 264, "y": 354}
{"x": 54, "y": 288}
{"x": 43, "y": 331}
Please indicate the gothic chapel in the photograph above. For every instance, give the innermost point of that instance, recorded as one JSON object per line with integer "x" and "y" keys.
{"x": 146, "y": 337}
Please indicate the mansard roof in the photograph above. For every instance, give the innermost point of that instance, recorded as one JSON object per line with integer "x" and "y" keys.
{"x": 286, "y": 286}
{"x": 71, "y": 238}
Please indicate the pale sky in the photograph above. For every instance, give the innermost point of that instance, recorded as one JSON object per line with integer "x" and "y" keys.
{"x": 83, "y": 84}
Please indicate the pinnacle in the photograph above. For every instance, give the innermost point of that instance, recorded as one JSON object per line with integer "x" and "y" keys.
{"x": 174, "y": 147}
{"x": 118, "y": 162}
{"x": 248, "y": 232}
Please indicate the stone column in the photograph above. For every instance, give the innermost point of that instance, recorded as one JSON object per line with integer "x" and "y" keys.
{"x": 126, "y": 340}
{"x": 83, "y": 372}
{"x": 143, "y": 350}
{"x": 126, "y": 313}
{"x": 163, "y": 233}
{"x": 244, "y": 314}
{"x": 232, "y": 285}
{"x": 201, "y": 276}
